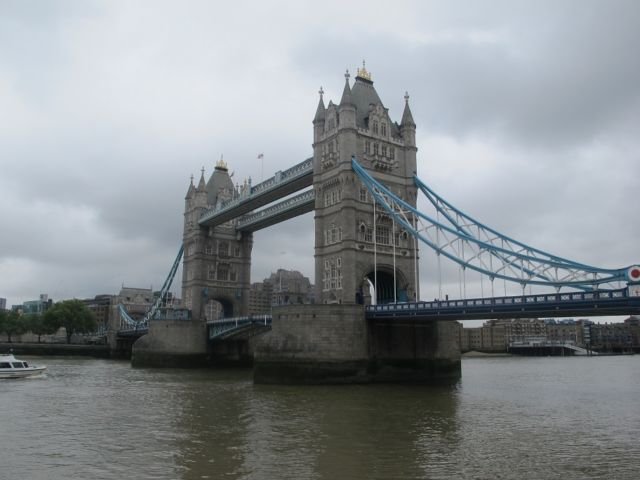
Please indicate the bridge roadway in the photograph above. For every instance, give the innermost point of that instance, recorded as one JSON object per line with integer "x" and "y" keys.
{"x": 283, "y": 183}
{"x": 586, "y": 304}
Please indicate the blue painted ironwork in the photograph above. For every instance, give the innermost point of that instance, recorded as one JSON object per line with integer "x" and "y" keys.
{"x": 128, "y": 323}
{"x": 137, "y": 331}
{"x": 475, "y": 246}
{"x": 230, "y": 327}
{"x": 596, "y": 303}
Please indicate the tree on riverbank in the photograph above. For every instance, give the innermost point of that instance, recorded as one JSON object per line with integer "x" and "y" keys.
{"x": 73, "y": 315}
{"x": 11, "y": 324}
{"x": 36, "y": 324}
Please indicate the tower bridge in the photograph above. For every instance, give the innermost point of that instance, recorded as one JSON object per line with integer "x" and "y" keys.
{"x": 362, "y": 186}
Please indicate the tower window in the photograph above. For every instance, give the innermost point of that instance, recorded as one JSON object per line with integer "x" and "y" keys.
{"x": 223, "y": 273}
{"x": 383, "y": 128}
{"x": 382, "y": 235}
{"x": 375, "y": 127}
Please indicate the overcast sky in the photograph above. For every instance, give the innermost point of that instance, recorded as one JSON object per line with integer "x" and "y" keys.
{"x": 527, "y": 113}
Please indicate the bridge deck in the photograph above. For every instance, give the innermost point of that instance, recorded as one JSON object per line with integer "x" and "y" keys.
{"x": 238, "y": 326}
{"x": 587, "y": 304}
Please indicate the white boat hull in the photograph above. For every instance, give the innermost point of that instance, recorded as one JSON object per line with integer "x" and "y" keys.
{"x": 21, "y": 372}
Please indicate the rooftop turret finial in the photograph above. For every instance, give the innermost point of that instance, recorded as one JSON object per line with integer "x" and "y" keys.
{"x": 192, "y": 179}
{"x": 363, "y": 73}
{"x": 347, "y": 75}
{"x": 202, "y": 170}
{"x": 221, "y": 165}
{"x": 321, "y": 92}
{"x": 406, "y": 97}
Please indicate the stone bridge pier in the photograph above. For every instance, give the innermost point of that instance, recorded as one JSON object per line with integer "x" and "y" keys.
{"x": 313, "y": 344}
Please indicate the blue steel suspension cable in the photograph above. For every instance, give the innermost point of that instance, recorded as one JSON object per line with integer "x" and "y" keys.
{"x": 508, "y": 257}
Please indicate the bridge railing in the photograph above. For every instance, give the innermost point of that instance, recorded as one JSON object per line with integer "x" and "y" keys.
{"x": 542, "y": 342}
{"x": 499, "y": 301}
{"x": 224, "y": 325}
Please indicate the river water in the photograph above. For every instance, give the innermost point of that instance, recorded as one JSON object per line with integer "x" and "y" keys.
{"x": 508, "y": 418}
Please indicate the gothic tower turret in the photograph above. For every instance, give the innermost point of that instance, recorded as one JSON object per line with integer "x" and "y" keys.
{"x": 217, "y": 260}
{"x": 318, "y": 120}
{"x": 358, "y": 245}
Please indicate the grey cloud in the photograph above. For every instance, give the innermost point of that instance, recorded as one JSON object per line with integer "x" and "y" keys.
{"x": 552, "y": 79}
{"x": 111, "y": 127}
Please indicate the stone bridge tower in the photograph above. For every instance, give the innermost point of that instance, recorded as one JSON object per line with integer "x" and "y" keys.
{"x": 354, "y": 251}
{"x": 217, "y": 260}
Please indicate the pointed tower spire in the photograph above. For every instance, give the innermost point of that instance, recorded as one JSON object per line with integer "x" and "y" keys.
{"x": 346, "y": 93}
{"x": 191, "y": 190}
{"x": 320, "y": 111}
{"x": 407, "y": 118}
{"x": 201, "y": 184}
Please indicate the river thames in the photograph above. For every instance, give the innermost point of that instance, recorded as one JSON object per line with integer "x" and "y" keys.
{"x": 508, "y": 418}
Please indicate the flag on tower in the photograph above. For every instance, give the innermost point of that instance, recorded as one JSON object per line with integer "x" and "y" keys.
{"x": 260, "y": 156}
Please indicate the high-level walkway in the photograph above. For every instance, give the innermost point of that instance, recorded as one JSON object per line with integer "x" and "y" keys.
{"x": 283, "y": 183}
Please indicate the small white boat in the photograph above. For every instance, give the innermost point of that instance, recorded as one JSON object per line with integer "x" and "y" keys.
{"x": 11, "y": 367}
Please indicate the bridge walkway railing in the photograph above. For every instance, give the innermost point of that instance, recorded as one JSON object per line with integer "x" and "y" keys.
{"x": 596, "y": 303}
{"x": 228, "y": 326}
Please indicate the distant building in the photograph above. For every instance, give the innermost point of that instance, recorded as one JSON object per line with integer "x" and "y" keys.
{"x": 290, "y": 287}
{"x": 495, "y": 335}
{"x": 100, "y": 305}
{"x": 3, "y": 303}
{"x": 283, "y": 287}
{"x": 615, "y": 337}
{"x": 37, "y": 306}
{"x": 136, "y": 301}
{"x": 260, "y": 295}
